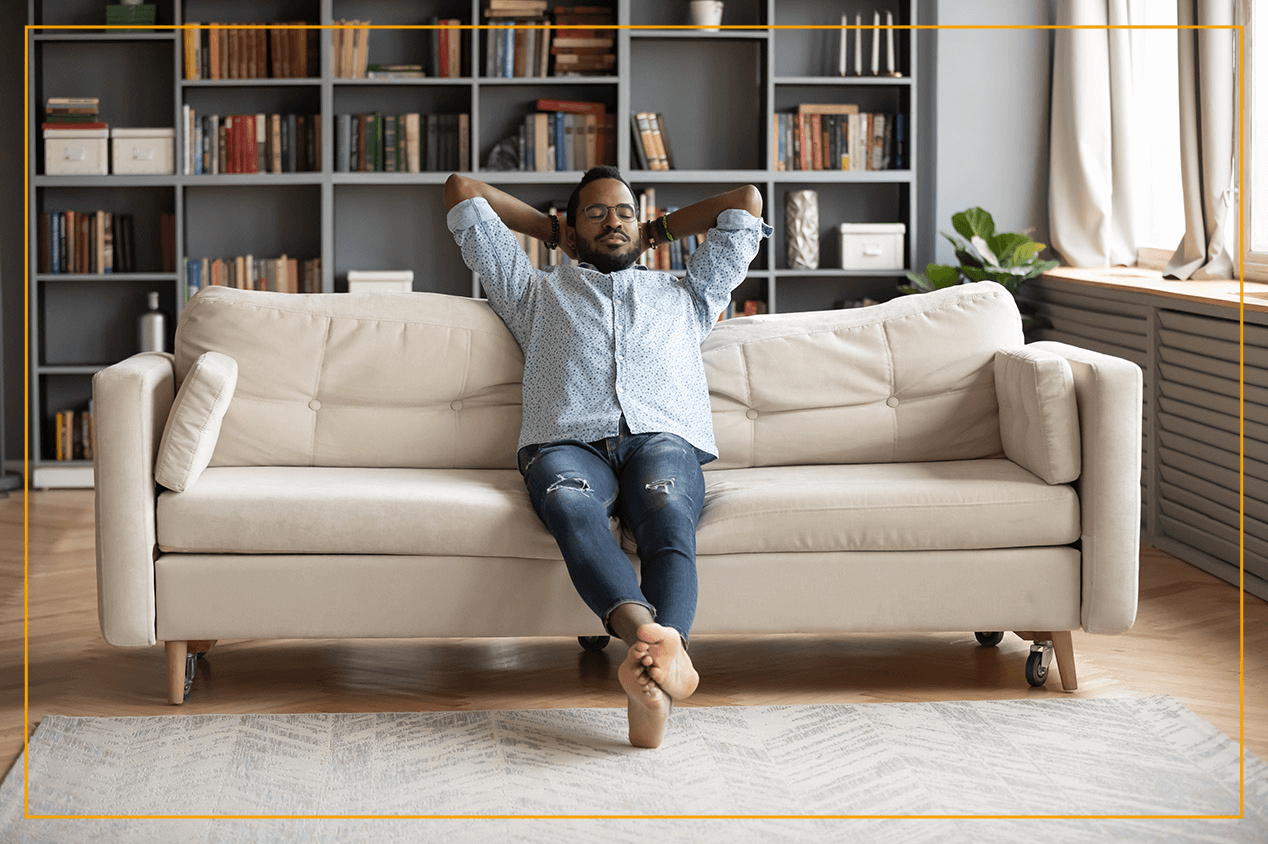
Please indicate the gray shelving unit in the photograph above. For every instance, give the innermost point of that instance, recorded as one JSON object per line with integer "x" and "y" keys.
{"x": 719, "y": 93}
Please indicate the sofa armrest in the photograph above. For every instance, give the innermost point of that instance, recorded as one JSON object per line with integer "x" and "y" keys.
{"x": 1109, "y": 392}
{"x": 131, "y": 402}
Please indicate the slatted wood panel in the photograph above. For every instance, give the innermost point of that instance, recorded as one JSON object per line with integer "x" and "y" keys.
{"x": 1111, "y": 326}
{"x": 1199, "y": 422}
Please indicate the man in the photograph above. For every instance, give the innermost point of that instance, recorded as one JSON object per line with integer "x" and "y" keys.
{"x": 616, "y": 407}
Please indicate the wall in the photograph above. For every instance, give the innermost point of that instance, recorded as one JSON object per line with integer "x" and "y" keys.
{"x": 990, "y": 110}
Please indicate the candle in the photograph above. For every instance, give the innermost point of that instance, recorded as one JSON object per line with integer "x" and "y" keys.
{"x": 858, "y": 45}
{"x": 844, "y": 19}
{"x": 889, "y": 43}
{"x": 876, "y": 44}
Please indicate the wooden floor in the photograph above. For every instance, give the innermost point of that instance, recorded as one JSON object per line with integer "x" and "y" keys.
{"x": 1185, "y": 644}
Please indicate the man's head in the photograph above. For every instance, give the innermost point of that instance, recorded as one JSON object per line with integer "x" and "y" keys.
{"x": 597, "y": 220}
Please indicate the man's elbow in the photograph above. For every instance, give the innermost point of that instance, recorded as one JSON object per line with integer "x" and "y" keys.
{"x": 750, "y": 199}
{"x": 457, "y": 188}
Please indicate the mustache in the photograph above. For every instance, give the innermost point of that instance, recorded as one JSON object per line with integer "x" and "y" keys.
{"x": 611, "y": 230}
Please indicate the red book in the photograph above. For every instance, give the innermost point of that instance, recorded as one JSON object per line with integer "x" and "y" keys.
{"x": 72, "y": 126}
{"x": 442, "y": 61}
{"x": 572, "y": 106}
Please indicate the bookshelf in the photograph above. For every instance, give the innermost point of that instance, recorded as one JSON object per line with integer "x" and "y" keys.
{"x": 719, "y": 94}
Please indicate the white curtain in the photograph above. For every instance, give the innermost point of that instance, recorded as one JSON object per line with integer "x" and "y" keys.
{"x": 1208, "y": 141}
{"x": 1092, "y": 168}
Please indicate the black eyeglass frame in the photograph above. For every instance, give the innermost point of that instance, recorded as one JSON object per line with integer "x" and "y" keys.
{"x": 633, "y": 212}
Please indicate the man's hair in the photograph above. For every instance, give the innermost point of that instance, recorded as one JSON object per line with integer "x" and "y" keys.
{"x": 603, "y": 171}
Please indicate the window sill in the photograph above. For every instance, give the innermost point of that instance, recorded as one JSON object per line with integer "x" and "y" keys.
{"x": 1225, "y": 292}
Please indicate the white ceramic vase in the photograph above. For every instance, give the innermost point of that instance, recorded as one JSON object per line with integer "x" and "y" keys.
{"x": 801, "y": 219}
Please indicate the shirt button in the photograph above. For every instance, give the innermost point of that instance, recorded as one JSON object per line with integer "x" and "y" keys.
{"x": 751, "y": 413}
{"x": 620, "y": 357}
{"x": 314, "y": 405}
{"x": 892, "y": 401}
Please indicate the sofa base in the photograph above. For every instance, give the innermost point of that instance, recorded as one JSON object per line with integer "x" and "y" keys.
{"x": 357, "y": 597}
{"x": 182, "y": 658}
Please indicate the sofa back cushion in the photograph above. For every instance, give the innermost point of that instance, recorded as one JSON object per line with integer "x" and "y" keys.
{"x": 909, "y": 380}
{"x": 412, "y": 380}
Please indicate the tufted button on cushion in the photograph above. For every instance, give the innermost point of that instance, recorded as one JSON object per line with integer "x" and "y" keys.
{"x": 892, "y": 401}
{"x": 456, "y": 404}
{"x": 751, "y": 414}
{"x": 314, "y": 405}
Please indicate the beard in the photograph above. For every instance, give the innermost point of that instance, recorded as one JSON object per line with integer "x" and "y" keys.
{"x": 605, "y": 260}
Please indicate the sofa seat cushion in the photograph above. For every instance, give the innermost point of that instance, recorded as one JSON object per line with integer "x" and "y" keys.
{"x": 337, "y": 510}
{"x": 950, "y": 505}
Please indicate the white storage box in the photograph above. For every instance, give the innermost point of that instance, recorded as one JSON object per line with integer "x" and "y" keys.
{"x": 76, "y": 152}
{"x": 872, "y": 246}
{"x": 142, "y": 151}
{"x": 380, "y": 281}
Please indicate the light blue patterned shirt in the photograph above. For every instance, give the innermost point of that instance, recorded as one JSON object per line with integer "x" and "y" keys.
{"x": 598, "y": 346}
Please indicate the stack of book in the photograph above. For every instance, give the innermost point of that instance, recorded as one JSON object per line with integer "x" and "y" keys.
{"x": 350, "y": 45}
{"x": 246, "y": 272}
{"x": 836, "y": 136}
{"x": 402, "y": 143}
{"x": 583, "y": 42}
{"x": 74, "y": 434}
{"x": 251, "y": 143}
{"x": 395, "y": 71}
{"x": 72, "y": 113}
{"x": 140, "y": 15}
{"x": 651, "y": 141}
{"x": 519, "y": 44}
{"x": 224, "y": 51}
{"x": 91, "y": 242}
{"x": 566, "y": 135}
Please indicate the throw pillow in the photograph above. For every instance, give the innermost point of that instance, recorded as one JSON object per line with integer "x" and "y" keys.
{"x": 193, "y": 425}
{"x": 1038, "y": 413}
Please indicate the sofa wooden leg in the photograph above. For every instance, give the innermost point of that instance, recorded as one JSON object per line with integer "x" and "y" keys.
{"x": 176, "y": 652}
{"x": 1063, "y": 644}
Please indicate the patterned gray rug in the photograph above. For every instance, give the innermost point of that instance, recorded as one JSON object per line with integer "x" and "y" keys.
{"x": 1108, "y": 756}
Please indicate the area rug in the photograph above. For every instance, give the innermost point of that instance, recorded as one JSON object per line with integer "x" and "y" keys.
{"x": 791, "y": 772}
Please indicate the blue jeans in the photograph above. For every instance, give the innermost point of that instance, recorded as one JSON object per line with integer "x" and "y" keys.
{"x": 653, "y": 483}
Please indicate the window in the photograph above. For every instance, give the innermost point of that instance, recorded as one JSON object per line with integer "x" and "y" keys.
{"x": 1156, "y": 124}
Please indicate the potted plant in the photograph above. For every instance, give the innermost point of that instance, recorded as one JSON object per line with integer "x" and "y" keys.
{"x": 1009, "y": 258}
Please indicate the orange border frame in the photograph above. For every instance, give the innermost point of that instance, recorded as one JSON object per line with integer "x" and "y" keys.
{"x": 1242, "y": 594}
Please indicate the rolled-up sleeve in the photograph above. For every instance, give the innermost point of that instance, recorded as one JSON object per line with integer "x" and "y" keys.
{"x": 490, "y": 249}
{"x": 719, "y": 265}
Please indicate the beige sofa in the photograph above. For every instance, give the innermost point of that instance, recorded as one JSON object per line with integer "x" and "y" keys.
{"x": 911, "y": 466}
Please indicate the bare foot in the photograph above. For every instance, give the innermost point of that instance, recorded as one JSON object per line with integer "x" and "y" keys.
{"x": 649, "y": 706}
{"x": 660, "y": 650}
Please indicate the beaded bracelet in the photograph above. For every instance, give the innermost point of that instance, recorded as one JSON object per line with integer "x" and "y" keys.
{"x": 554, "y": 232}
{"x": 664, "y": 226}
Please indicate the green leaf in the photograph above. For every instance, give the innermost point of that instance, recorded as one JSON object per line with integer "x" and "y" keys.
{"x": 973, "y": 221}
{"x": 1011, "y": 249}
{"x": 940, "y": 275}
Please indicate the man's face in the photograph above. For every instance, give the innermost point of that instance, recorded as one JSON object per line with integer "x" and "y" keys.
{"x": 610, "y": 244}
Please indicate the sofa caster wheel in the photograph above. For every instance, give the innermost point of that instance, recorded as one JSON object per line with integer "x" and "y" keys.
{"x": 191, "y": 663}
{"x": 594, "y": 643}
{"x": 989, "y": 640}
{"x": 1037, "y": 663}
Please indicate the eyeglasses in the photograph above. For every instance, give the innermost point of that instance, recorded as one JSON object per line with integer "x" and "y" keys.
{"x": 599, "y": 212}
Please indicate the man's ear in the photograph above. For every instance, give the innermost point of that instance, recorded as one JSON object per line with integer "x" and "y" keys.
{"x": 568, "y": 236}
